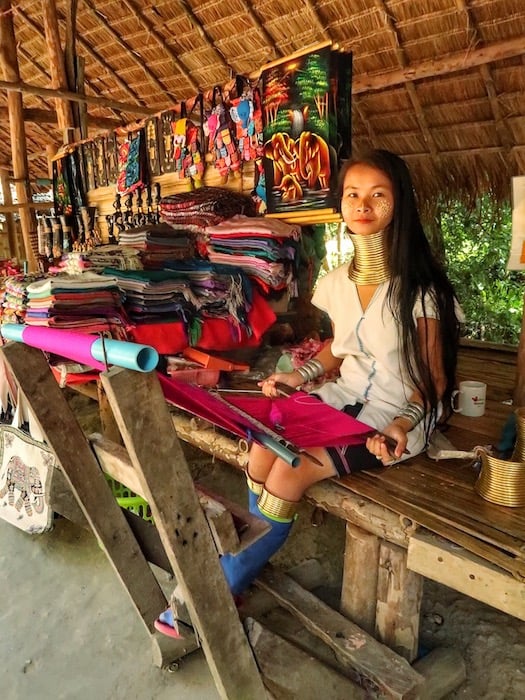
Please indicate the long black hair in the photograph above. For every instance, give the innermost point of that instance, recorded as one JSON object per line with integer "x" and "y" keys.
{"x": 415, "y": 271}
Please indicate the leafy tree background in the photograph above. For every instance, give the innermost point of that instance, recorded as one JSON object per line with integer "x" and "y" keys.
{"x": 476, "y": 246}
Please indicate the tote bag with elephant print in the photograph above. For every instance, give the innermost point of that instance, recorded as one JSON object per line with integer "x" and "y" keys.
{"x": 26, "y": 468}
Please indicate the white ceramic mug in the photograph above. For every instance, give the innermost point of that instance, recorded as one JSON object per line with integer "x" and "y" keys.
{"x": 469, "y": 399}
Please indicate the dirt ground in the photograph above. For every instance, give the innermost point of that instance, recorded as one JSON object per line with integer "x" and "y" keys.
{"x": 69, "y": 632}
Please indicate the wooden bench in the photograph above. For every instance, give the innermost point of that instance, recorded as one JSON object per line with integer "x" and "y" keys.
{"x": 421, "y": 518}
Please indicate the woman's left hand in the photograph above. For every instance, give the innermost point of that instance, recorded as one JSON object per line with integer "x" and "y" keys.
{"x": 378, "y": 447}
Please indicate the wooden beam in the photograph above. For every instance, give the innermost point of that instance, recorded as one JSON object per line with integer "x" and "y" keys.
{"x": 48, "y": 116}
{"x": 399, "y": 593}
{"x": 19, "y": 86}
{"x": 459, "y": 61}
{"x": 85, "y": 478}
{"x": 361, "y": 655}
{"x": 9, "y": 62}
{"x": 438, "y": 559}
{"x": 13, "y": 208}
{"x": 56, "y": 62}
{"x": 290, "y": 672}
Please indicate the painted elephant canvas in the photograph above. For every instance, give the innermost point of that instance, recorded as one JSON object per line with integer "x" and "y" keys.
{"x": 306, "y": 127}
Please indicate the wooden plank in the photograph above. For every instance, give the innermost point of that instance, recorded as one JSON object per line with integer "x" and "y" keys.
{"x": 140, "y": 410}
{"x": 84, "y": 476}
{"x": 289, "y": 672}
{"x": 457, "y": 568}
{"x": 371, "y": 662}
{"x": 116, "y": 462}
{"x": 432, "y": 522}
{"x": 360, "y": 573}
{"x": 399, "y": 593}
{"x": 460, "y": 507}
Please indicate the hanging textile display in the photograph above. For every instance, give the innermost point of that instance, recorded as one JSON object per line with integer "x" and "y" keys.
{"x": 302, "y": 98}
{"x": 112, "y": 157}
{"x": 220, "y": 130}
{"x": 166, "y": 120}
{"x": 88, "y": 164}
{"x": 100, "y": 162}
{"x": 132, "y": 163}
{"x": 187, "y": 142}
{"x": 70, "y": 225}
{"x": 152, "y": 145}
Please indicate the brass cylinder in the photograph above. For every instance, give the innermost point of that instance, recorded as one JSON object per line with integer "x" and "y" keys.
{"x": 501, "y": 481}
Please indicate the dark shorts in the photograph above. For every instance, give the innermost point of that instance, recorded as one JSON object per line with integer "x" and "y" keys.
{"x": 352, "y": 458}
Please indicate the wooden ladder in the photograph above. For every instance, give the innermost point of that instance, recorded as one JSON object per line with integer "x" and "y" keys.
{"x": 163, "y": 477}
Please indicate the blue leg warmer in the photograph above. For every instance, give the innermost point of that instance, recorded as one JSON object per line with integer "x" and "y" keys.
{"x": 240, "y": 570}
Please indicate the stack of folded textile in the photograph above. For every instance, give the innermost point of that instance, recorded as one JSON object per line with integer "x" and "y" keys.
{"x": 265, "y": 249}
{"x": 14, "y": 298}
{"x": 204, "y": 207}
{"x": 119, "y": 257}
{"x": 156, "y": 243}
{"x": 87, "y": 302}
{"x": 155, "y": 295}
{"x": 189, "y": 291}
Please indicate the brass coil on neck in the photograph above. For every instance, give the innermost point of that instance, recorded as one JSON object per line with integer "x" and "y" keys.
{"x": 369, "y": 264}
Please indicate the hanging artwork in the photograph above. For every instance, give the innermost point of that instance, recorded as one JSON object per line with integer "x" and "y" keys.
{"x": 166, "y": 120}
{"x": 88, "y": 165}
{"x": 112, "y": 157}
{"x": 305, "y": 97}
{"x": 152, "y": 145}
{"x": 133, "y": 171}
{"x": 100, "y": 162}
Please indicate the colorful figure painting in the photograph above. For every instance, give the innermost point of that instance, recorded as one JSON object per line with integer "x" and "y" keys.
{"x": 301, "y": 99}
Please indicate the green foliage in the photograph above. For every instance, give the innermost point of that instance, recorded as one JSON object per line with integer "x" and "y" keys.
{"x": 477, "y": 246}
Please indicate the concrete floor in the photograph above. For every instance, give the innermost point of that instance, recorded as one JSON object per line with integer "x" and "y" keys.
{"x": 68, "y": 630}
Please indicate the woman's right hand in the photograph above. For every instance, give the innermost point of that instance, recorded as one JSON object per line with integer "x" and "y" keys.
{"x": 268, "y": 386}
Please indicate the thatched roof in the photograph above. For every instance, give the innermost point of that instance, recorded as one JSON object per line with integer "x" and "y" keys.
{"x": 441, "y": 82}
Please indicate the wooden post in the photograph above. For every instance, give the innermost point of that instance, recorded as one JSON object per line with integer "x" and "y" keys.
{"x": 518, "y": 398}
{"x": 8, "y": 58}
{"x": 399, "y": 593}
{"x": 9, "y": 218}
{"x": 360, "y": 573}
{"x": 56, "y": 62}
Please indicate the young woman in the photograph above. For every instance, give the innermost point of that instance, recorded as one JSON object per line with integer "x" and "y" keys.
{"x": 395, "y": 323}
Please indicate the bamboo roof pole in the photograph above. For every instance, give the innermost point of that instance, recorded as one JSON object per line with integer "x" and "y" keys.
{"x": 57, "y": 64}
{"x": 8, "y": 59}
{"x": 9, "y": 218}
